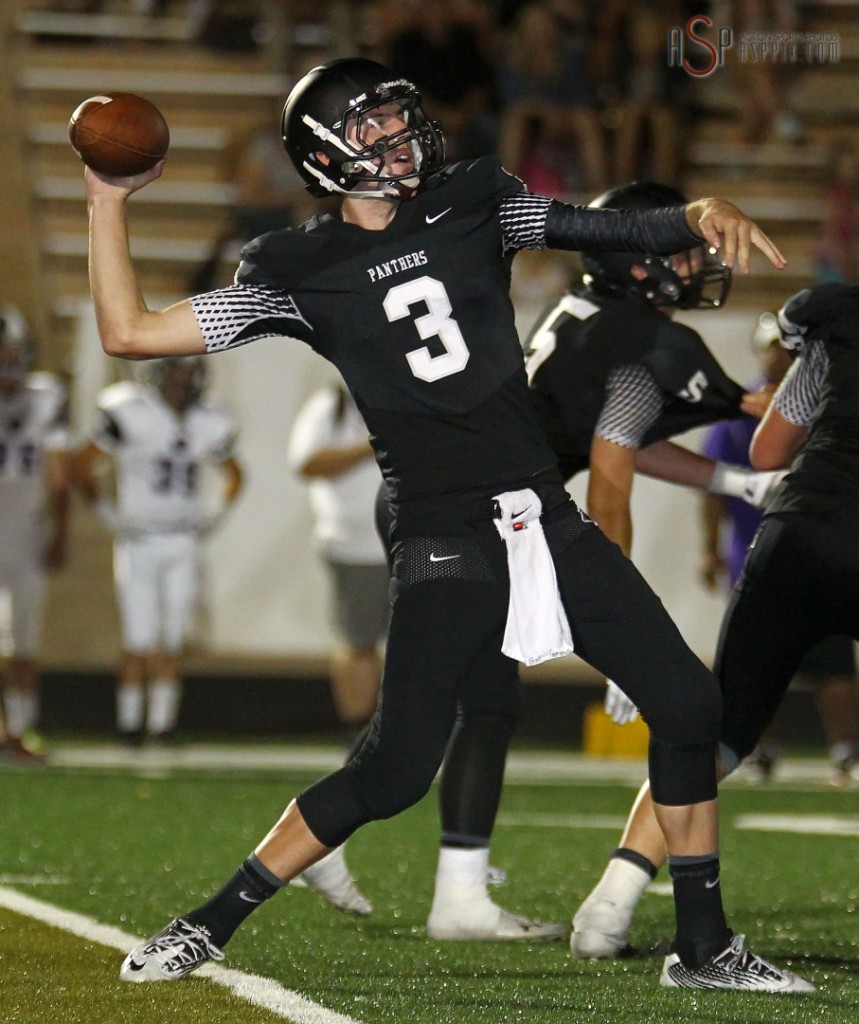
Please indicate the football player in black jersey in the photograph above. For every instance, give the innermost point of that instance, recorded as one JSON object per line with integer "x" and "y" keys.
{"x": 406, "y": 292}
{"x": 799, "y": 585}
{"x": 612, "y": 376}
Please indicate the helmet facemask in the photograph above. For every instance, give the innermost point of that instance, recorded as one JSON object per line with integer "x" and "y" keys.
{"x": 697, "y": 279}
{"x": 379, "y": 132}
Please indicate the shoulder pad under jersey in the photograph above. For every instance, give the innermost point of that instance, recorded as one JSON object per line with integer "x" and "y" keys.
{"x": 279, "y": 258}
{"x": 477, "y": 180}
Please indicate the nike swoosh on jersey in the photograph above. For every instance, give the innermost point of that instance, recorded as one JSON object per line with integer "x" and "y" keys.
{"x": 432, "y": 219}
{"x": 133, "y": 965}
{"x": 443, "y": 558}
{"x": 247, "y": 897}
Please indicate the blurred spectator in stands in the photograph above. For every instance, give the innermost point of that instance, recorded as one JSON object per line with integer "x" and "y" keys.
{"x": 34, "y": 493}
{"x": 230, "y": 26}
{"x": 329, "y": 448}
{"x": 729, "y": 526}
{"x": 269, "y": 194}
{"x": 149, "y": 8}
{"x": 836, "y": 256}
{"x": 644, "y": 98}
{"x": 446, "y": 49}
{"x": 765, "y": 114}
{"x": 549, "y": 99}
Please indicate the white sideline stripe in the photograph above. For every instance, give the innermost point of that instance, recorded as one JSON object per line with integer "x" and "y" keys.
{"x": 562, "y": 820}
{"x": 809, "y": 824}
{"x": 263, "y": 992}
{"x": 33, "y": 879}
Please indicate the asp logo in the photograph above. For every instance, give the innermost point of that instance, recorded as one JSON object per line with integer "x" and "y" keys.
{"x": 713, "y": 45}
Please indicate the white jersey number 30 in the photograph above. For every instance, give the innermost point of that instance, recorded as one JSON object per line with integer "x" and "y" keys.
{"x": 438, "y": 323}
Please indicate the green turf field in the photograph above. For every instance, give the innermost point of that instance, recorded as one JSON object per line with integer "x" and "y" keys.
{"x": 131, "y": 847}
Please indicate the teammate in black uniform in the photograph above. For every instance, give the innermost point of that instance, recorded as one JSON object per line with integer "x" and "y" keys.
{"x": 800, "y": 582}
{"x": 611, "y": 375}
{"x": 406, "y": 292}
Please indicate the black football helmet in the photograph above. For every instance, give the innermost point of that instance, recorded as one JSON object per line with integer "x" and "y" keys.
{"x": 334, "y": 129}
{"x": 704, "y": 285}
{"x": 813, "y": 313}
{"x": 17, "y": 348}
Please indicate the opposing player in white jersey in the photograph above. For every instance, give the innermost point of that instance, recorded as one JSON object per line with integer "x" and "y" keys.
{"x": 34, "y": 487}
{"x": 160, "y": 437}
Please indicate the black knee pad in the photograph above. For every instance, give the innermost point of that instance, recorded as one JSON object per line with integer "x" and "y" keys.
{"x": 682, "y": 774}
{"x": 386, "y": 793}
{"x": 688, "y": 715}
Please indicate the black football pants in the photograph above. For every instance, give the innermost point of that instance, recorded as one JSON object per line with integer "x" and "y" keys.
{"x": 450, "y": 592}
{"x": 800, "y": 584}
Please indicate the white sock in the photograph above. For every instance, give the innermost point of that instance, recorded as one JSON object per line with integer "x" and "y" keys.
{"x": 22, "y": 710}
{"x": 164, "y": 698}
{"x": 622, "y": 882}
{"x": 842, "y": 750}
{"x": 129, "y": 708}
{"x": 462, "y": 867}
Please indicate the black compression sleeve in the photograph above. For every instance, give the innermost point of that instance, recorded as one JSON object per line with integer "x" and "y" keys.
{"x": 661, "y": 232}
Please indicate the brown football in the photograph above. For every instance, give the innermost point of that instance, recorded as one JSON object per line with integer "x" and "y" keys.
{"x": 119, "y": 134}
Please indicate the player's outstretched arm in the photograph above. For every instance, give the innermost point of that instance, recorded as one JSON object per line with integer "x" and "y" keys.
{"x": 728, "y": 229}
{"x": 126, "y": 327}
{"x": 775, "y": 441}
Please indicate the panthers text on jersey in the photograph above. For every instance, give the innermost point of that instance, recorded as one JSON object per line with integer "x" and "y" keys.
{"x": 33, "y": 420}
{"x": 584, "y": 339}
{"x": 417, "y": 319}
{"x": 159, "y": 456}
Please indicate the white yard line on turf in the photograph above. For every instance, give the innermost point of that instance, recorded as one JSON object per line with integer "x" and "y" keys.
{"x": 808, "y": 824}
{"x": 263, "y": 992}
{"x": 524, "y": 767}
{"x": 562, "y": 820}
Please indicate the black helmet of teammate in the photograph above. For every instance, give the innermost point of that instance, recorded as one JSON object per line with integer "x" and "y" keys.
{"x": 819, "y": 311}
{"x": 17, "y": 348}
{"x": 667, "y": 281}
{"x": 333, "y": 128}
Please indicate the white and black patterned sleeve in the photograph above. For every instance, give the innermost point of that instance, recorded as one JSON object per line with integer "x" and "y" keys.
{"x": 634, "y": 402}
{"x": 233, "y": 316}
{"x": 798, "y": 394}
{"x": 523, "y": 220}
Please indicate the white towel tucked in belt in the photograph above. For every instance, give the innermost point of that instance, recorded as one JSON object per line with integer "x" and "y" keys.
{"x": 537, "y": 627}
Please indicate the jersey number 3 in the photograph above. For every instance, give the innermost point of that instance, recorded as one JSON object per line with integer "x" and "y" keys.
{"x": 437, "y": 323}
